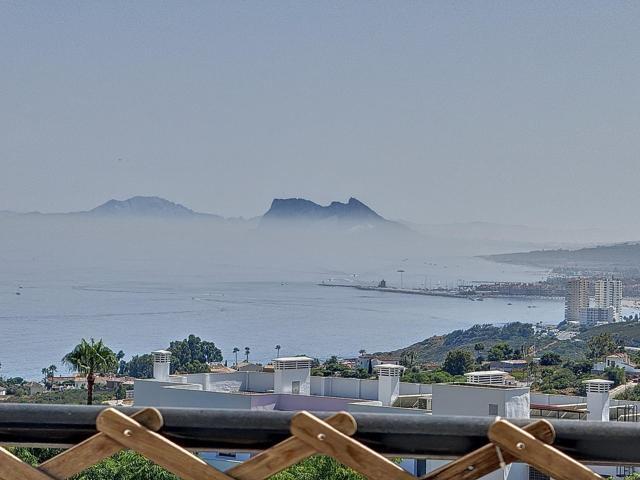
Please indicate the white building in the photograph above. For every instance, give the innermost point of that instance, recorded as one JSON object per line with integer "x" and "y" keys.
{"x": 617, "y": 360}
{"x": 577, "y": 297}
{"x": 592, "y": 316}
{"x": 291, "y": 387}
{"x": 609, "y": 294}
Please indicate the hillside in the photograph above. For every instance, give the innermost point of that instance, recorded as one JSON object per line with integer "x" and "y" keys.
{"x": 623, "y": 257}
{"x": 434, "y": 349}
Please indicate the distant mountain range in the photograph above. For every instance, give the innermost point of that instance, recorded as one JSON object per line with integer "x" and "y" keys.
{"x": 146, "y": 207}
{"x": 291, "y": 210}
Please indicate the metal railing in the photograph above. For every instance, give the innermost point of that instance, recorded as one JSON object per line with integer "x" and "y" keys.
{"x": 408, "y": 436}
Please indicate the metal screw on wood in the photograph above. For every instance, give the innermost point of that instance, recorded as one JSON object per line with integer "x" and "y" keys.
{"x": 321, "y": 437}
{"x": 520, "y": 445}
{"x": 127, "y": 433}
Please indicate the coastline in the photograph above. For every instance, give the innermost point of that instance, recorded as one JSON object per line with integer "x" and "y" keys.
{"x": 446, "y": 293}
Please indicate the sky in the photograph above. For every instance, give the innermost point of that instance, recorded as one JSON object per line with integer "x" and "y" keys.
{"x": 434, "y": 112}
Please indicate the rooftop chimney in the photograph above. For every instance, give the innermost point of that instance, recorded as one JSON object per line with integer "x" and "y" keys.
{"x": 598, "y": 399}
{"x": 161, "y": 363}
{"x": 292, "y": 375}
{"x": 388, "y": 382}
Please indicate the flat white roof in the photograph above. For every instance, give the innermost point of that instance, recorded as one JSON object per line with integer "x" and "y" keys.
{"x": 388, "y": 365}
{"x": 162, "y": 352}
{"x": 487, "y": 372}
{"x": 597, "y": 380}
{"x": 291, "y": 359}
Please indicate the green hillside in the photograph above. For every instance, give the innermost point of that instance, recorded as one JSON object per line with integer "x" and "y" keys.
{"x": 434, "y": 349}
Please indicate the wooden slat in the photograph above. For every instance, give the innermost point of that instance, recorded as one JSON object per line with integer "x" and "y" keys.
{"x": 526, "y": 448}
{"x": 95, "y": 449}
{"x": 156, "y": 448}
{"x": 287, "y": 453}
{"x": 12, "y": 468}
{"x": 485, "y": 459}
{"x": 329, "y": 441}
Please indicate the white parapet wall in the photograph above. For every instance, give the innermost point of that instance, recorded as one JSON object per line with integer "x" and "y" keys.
{"x": 480, "y": 400}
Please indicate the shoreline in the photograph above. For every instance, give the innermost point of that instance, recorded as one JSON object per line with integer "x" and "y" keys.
{"x": 448, "y": 294}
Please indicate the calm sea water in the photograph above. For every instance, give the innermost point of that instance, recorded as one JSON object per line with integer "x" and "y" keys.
{"x": 139, "y": 313}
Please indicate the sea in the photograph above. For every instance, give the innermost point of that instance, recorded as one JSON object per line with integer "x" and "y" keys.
{"x": 45, "y": 312}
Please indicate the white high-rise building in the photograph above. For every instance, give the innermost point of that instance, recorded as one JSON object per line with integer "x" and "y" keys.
{"x": 576, "y": 298}
{"x": 609, "y": 294}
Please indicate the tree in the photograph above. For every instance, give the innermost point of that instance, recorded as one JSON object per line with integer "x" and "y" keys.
{"x": 140, "y": 366}
{"x": 362, "y": 351}
{"x": 616, "y": 375}
{"x": 600, "y": 346}
{"x": 48, "y": 374}
{"x": 278, "y": 347}
{"x": 247, "y": 351}
{"x": 500, "y": 351}
{"x": 458, "y": 362}
{"x": 90, "y": 358}
{"x": 478, "y": 347}
{"x": 235, "y": 352}
{"x": 550, "y": 358}
{"x": 190, "y": 350}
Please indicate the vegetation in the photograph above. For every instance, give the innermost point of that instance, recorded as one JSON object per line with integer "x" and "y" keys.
{"x": 434, "y": 349}
{"x": 599, "y": 346}
{"x": 630, "y": 394}
{"x": 128, "y": 465}
{"x": 91, "y": 358}
{"x": 140, "y": 366}
{"x": 334, "y": 368}
{"x": 550, "y": 358}
{"x": 416, "y": 375}
{"x": 74, "y": 396}
{"x": 458, "y": 362}
{"x": 192, "y": 355}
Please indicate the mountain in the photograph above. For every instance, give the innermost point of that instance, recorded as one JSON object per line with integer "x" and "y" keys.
{"x": 296, "y": 209}
{"x": 144, "y": 207}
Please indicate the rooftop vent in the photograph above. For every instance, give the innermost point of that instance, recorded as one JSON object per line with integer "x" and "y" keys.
{"x": 489, "y": 377}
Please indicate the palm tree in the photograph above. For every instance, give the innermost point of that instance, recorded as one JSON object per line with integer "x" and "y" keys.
{"x": 362, "y": 352}
{"x": 247, "y": 351}
{"x": 235, "y": 351}
{"x": 89, "y": 359}
{"x": 278, "y": 347}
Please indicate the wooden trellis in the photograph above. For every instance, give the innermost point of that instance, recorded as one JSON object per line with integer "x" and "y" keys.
{"x": 310, "y": 436}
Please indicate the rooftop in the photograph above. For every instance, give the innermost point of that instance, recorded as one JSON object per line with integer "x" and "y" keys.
{"x": 292, "y": 359}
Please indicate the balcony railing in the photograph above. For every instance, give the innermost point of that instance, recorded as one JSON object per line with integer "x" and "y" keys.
{"x": 407, "y": 436}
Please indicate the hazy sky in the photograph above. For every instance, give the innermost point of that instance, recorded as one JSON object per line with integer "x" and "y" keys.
{"x": 524, "y": 112}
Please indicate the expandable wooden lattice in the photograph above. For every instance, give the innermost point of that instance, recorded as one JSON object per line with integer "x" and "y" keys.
{"x": 310, "y": 436}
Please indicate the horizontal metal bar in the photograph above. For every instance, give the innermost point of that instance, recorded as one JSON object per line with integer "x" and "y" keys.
{"x": 409, "y": 436}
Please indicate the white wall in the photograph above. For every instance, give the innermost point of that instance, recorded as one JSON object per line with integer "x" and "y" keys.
{"x": 470, "y": 400}
{"x": 284, "y": 380}
{"x": 151, "y": 393}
